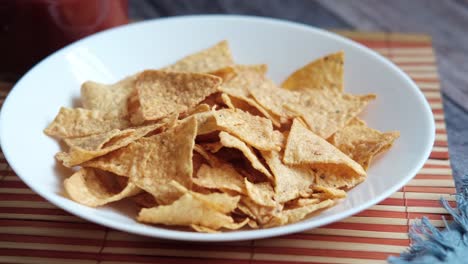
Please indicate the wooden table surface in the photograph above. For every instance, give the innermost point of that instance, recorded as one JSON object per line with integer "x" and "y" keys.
{"x": 444, "y": 20}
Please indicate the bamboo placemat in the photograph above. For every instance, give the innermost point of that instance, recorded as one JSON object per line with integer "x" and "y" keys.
{"x": 34, "y": 231}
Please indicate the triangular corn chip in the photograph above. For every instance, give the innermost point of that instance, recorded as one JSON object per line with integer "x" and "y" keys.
{"x": 324, "y": 73}
{"x": 208, "y": 60}
{"x": 291, "y": 181}
{"x": 327, "y": 111}
{"x": 260, "y": 193}
{"x": 163, "y": 93}
{"x": 230, "y": 141}
{"x": 87, "y": 148}
{"x": 254, "y": 130}
{"x": 108, "y": 98}
{"x": 85, "y": 187}
{"x": 79, "y": 122}
{"x": 303, "y": 147}
{"x": 362, "y": 143}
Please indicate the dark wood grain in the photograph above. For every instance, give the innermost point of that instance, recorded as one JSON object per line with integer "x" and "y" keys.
{"x": 304, "y": 11}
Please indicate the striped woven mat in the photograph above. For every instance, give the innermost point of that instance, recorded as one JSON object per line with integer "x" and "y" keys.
{"x": 34, "y": 231}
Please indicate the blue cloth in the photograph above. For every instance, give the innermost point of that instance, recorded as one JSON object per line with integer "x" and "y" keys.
{"x": 429, "y": 245}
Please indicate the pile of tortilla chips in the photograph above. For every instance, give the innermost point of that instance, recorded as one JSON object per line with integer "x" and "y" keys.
{"x": 213, "y": 145}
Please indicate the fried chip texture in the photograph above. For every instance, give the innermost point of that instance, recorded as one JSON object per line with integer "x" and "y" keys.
{"x": 362, "y": 143}
{"x": 254, "y": 130}
{"x": 324, "y": 73}
{"x": 85, "y": 187}
{"x": 108, "y": 98}
{"x": 306, "y": 148}
{"x": 208, "y": 60}
{"x": 327, "y": 111}
{"x": 291, "y": 181}
{"x": 79, "y": 122}
{"x": 230, "y": 141}
{"x": 163, "y": 93}
{"x": 153, "y": 162}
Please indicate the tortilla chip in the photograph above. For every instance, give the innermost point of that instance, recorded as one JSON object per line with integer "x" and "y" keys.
{"x": 208, "y": 60}
{"x": 327, "y": 111}
{"x": 247, "y": 76}
{"x": 301, "y": 202}
{"x": 306, "y": 148}
{"x": 324, "y": 73}
{"x": 108, "y": 98}
{"x": 226, "y": 74}
{"x": 362, "y": 143}
{"x": 164, "y": 93}
{"x": 329, "y": 193}
{"x": 291, "y": 181}
{"x": 206, "y": 210}
{"x": 87, "y": 148}
{"x": 222, "y": 177}
{"x": 186, "y": 211}
{"x": 254, "y": 130}
{"x": 273, "y": 98}
{"x": 261, "y": 214}
{"x": 203, "y": 229}
{"x": 230, "y": 141}
{"x": 249, "y": 105}
{"x": 260, "y": 193}
{"x": 153, "y": 162}
{"x": 85, "y": 187}
{"x": 297, "y": 214}
{"x": 206, "y": 123}
{"x": 79, "y": 122}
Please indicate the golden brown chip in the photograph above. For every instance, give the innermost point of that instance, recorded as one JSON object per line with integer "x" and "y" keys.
{"x": 249, "y": 105}
{"x": 222, "y": 177}
{"x": 254, "y": 130}
{"x": 153, "y": 162}
{"x": 206, "y": 122}
{"x": 205, "y": 210}
{"x": 203, "y": 229}
{"x": 208, "y": 60}
{"x": 186, "y": 211}
{"x": 226, "y": 74}
{"x": 230, "y": 141}
{"x": 273, "y": 98}
{"x": 260, "y": 193}
{"x": 306, "y": 148}
{"x": 247, "y": 76}
{"x": 79, "y": 122}
{"x": 291, "y": 181}
{"x": 324, "y": 73}
{"x": 85, "y": 187}
{"x": 362, "y": 143}
{"x": 108, "y": 98}
{"x": 164, "y": 93}
{"x": 87, "y": 148}
{"x": 327, "y": 111}
{"x": 297, "y": 214}
{"x": 329, "y": 192}
{"x": 261, "y": 214}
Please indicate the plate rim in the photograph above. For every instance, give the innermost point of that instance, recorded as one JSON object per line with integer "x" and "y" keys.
{"x": 239, "y": 235}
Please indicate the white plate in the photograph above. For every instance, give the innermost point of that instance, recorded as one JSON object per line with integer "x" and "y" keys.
{"x": 284, "y": 46}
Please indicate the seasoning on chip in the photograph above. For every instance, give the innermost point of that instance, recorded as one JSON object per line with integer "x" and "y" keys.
{"x": 211, "y": 145}
{"x": 208, "y": 60}
{"x": 108, "y": 98}
{"x": 80, "y": 122}
{"x": 362, "y": 143}
{"x": 163, "y": 93}
{"x": 324, "y": 73}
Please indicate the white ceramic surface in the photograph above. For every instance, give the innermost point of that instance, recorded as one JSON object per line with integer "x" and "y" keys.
{"x": 284, "y": 46}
